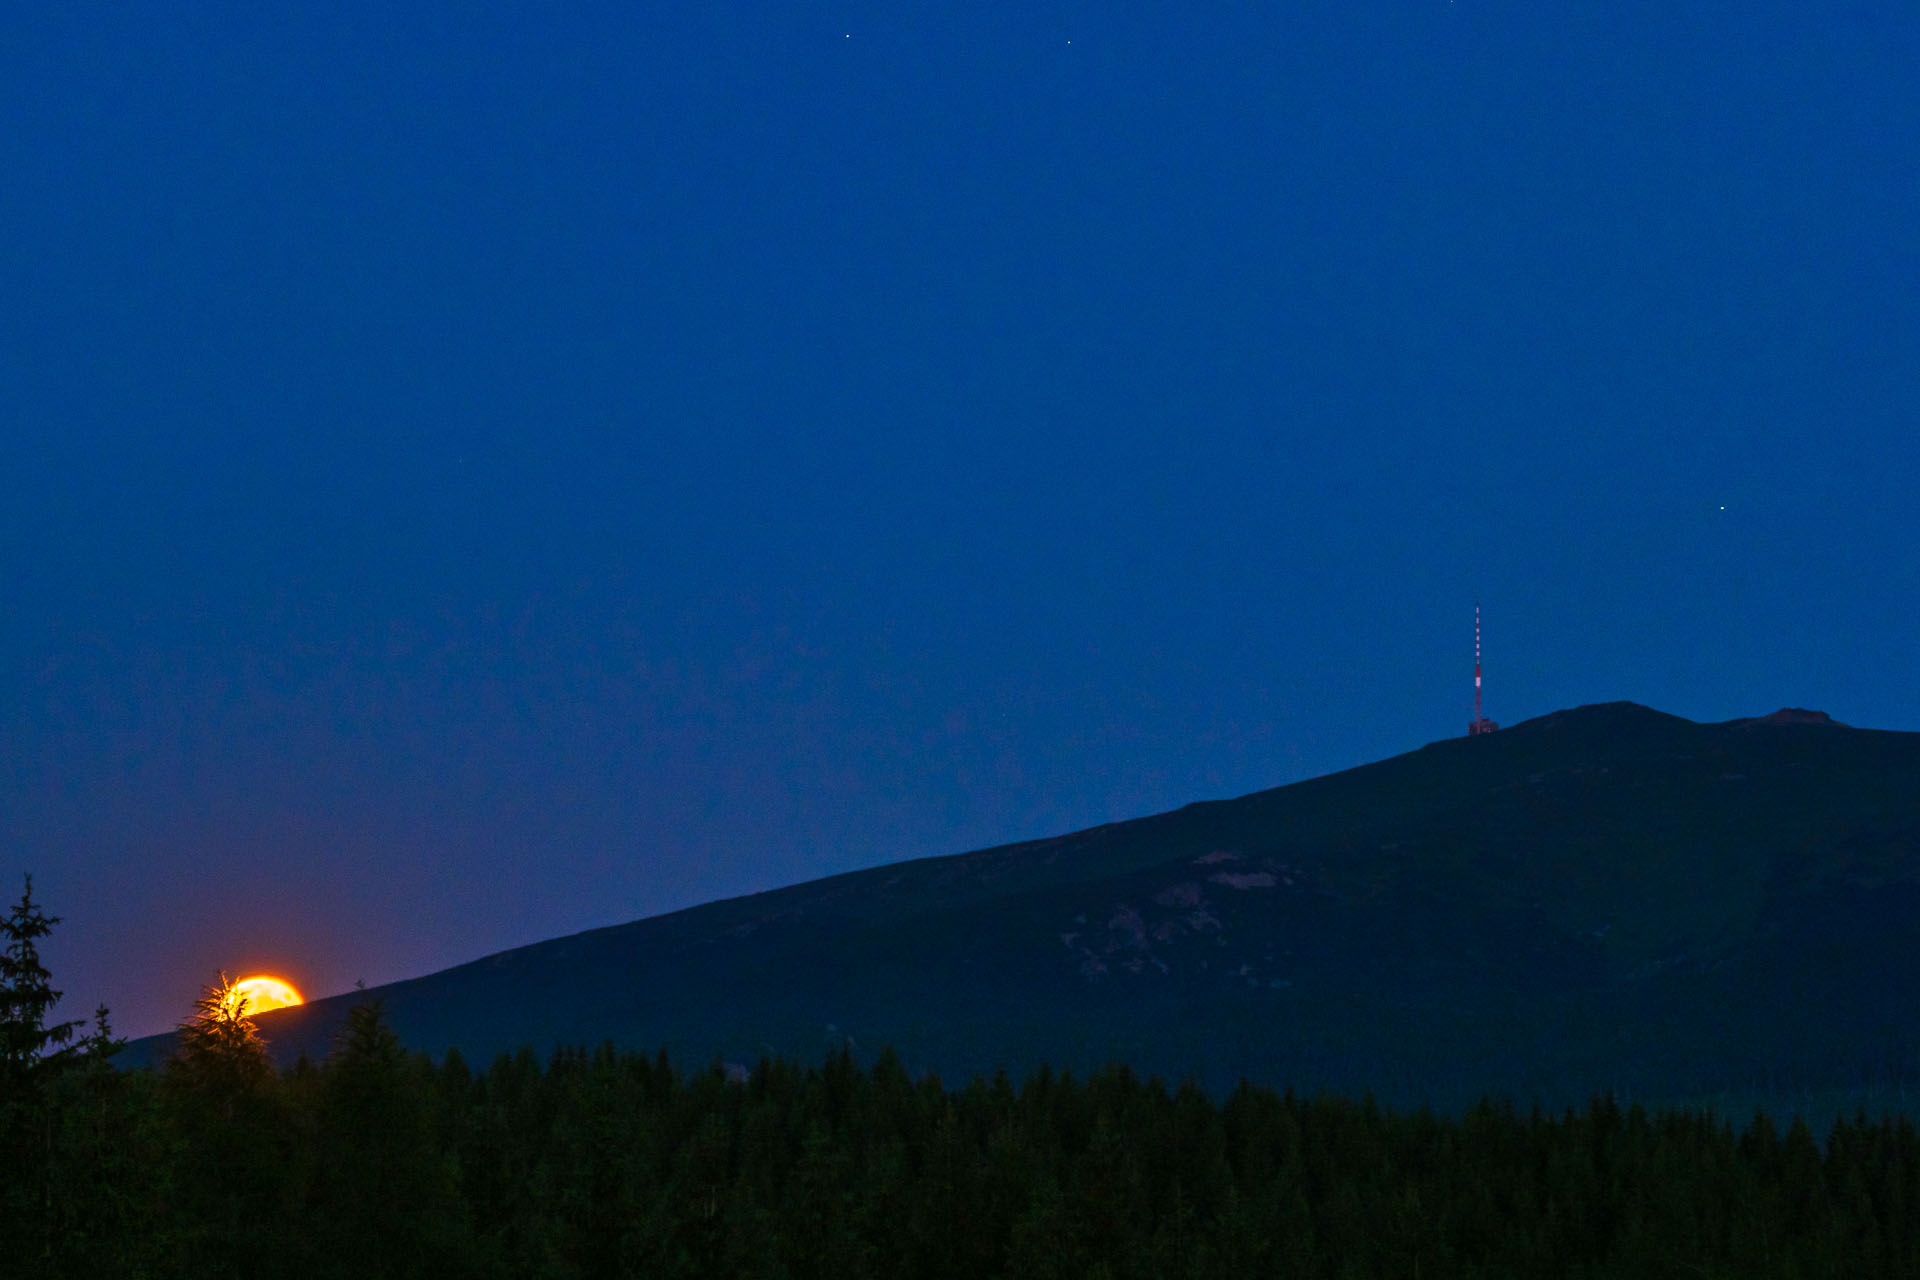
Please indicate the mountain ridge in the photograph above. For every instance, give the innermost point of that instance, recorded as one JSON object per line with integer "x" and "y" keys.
{"x": 1585, "y": 899}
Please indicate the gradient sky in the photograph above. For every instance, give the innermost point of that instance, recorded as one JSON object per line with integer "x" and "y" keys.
{"x": 478, "y": 472}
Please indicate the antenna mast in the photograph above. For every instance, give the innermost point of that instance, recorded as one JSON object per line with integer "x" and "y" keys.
{"x": 1480, "y": 722}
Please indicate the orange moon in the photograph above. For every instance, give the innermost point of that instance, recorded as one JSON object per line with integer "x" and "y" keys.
{"x": 263, "y": 993}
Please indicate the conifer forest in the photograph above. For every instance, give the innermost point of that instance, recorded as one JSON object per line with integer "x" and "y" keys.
{"x": 602, "y": 1163}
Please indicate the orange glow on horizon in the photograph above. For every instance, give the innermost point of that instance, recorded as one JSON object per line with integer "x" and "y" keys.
{"x": 263, "y": 993}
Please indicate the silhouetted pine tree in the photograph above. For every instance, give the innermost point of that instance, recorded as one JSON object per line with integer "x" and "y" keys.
{"x": 29, "y": 1051}
{"x": 238, "y": 1164}
{"x": 384, "y": 1200}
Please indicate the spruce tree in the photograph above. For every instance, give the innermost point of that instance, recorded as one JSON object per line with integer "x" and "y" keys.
{"x": 220, "y": 1054}
{"x": 237, "y": 1151}
{"x": 32, "y": 1055}
{"x": 29, "y": 1048}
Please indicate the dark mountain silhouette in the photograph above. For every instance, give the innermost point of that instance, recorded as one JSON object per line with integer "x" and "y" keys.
{"x": 1602, "y": 898}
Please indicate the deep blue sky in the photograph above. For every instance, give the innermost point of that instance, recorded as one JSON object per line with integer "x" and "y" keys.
{"x": 482, "y": 473}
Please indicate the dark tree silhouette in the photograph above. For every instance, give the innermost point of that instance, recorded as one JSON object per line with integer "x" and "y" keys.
{"x": 50, "y": 1081}
{"x": 220, "y": 1052}
{"x": 29, "y": 1046}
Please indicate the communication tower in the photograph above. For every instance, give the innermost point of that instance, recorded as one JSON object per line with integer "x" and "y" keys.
{"x": 1480, "y": 722}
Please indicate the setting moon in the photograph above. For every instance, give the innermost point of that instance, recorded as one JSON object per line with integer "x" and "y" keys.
{"x": 263, "y": 993}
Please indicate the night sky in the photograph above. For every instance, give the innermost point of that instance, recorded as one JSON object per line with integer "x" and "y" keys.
{"x": 474, "y": 473}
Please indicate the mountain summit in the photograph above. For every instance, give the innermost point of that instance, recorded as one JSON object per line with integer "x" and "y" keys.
{"x": 1607, "y": 897}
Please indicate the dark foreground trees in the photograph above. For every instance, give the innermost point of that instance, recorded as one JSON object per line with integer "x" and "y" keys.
{"x": 379, "y": 1163}
{"x": 60, "y": 1114}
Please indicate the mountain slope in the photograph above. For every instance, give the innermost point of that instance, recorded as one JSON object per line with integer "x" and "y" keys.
{"x": 1607, "y": 897}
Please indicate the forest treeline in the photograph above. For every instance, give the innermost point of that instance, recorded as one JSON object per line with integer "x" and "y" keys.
{"x": 378, "y": 1162}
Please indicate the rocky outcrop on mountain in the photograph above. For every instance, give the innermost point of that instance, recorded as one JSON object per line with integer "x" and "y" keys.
{"x": 1794, "y": 715}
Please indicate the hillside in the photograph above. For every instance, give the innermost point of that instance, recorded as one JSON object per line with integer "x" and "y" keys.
{"x": 1607, "y": 897}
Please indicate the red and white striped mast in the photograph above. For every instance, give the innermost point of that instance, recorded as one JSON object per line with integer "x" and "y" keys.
{"x": 1480, "y": 722}
{"x": 1477, "y": 717}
